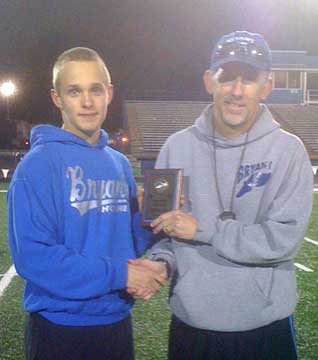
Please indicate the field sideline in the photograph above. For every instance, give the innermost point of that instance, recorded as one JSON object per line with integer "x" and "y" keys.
{"x": 151, "y": 319}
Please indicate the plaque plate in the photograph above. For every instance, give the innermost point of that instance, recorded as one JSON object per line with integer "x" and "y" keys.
{"x": 162, "y": 191}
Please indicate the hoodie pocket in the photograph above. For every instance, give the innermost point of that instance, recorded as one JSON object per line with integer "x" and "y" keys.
{"x": 219, "y": 297}
{"x": 264, "y": 278}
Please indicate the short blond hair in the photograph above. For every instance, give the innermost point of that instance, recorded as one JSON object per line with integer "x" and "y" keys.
{"x": 77, "y": 54}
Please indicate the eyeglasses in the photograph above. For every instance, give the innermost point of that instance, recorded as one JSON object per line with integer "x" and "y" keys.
{"x": 246, "y": 73}
{"x": 242, "y": 48}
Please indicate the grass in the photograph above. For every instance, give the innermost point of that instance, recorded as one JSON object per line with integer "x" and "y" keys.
{"x": 151, "y": 319}
{"x": 5, "y": 260}
{"x": 12, "y": 319}
{"x": 306, "y": 315}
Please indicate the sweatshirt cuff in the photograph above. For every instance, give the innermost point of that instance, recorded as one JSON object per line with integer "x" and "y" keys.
{"x": 202, "y": 236}
{"x": 119, "y": 270}
{"x": 169, "y": 259}
{"x": 144, "y": 237}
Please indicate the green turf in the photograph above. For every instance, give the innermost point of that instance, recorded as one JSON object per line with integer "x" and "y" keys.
{"x": 12, "y": 322}
{"x": 151, "y": 323}
{"x": 5, "y": 260}
{"x": 306, "y": 315}
{"x": 151, "y": 319}
{"x": 3, "y": 185}
{"x": 312, "y": 230}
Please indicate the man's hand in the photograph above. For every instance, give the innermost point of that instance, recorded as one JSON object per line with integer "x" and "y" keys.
{"x": 177, "y": 224}
{"x": 154, "y": 269}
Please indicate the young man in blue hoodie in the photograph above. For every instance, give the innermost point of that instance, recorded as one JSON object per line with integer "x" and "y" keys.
{"x": 74, "y": 224}
{"x": 231, "y": 251}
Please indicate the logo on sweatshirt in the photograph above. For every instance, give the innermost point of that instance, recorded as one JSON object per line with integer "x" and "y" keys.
{"x": 255, "y": 175}
{"x": 104, "y": 195}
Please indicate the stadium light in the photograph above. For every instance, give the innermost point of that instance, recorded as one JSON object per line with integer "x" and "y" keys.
{"x": 7, "y": 89}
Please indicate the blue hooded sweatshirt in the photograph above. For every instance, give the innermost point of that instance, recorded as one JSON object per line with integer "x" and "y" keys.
{"x": 73, "y": 225}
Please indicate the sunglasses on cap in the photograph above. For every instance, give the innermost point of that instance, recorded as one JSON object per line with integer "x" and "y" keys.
{"x": 241, "y": 49}
{"x": 246, "y": 72}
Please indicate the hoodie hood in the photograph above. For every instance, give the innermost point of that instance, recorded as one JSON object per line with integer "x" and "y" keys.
{"x": 262, "y": 127}
{"x": 43, "y": 134}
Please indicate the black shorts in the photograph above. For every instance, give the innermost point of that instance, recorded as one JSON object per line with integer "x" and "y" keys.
{"x": 45, "y": 340}
{"x": 272, "y": 342}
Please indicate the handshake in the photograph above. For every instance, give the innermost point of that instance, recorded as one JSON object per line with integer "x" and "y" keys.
{"x": 145, "y": 278}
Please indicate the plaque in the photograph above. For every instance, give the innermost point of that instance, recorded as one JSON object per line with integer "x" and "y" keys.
{"x": 162, "y": 192}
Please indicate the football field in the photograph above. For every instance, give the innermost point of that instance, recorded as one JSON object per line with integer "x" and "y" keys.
{"x": 151, "y": 319}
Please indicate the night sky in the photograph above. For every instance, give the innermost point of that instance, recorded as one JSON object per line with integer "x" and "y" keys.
{"x": 147, "y": 44}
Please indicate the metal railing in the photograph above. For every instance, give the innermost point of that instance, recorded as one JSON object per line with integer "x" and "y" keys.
{"x": 312, "y": 96}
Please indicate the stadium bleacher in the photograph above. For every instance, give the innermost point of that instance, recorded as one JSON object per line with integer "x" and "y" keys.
{"x": 151, "y": 122}
{"x": 302, "y": 121}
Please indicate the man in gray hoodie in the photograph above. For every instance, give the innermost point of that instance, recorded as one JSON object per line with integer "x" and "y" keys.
{"x": 230, "y": 251}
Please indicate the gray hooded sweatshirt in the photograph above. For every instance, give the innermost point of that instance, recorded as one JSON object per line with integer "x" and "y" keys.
{"x": 238, "y": 274}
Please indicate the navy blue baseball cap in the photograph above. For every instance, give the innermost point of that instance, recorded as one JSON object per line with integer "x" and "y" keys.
{"x": 242, "y": 47}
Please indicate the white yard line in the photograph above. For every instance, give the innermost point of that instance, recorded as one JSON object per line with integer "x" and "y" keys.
{"x": 303, "y": 267}
{"x": 311, "y": 241}
{"x": 5, "y": 281}
{"x": 4, "y": 191}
